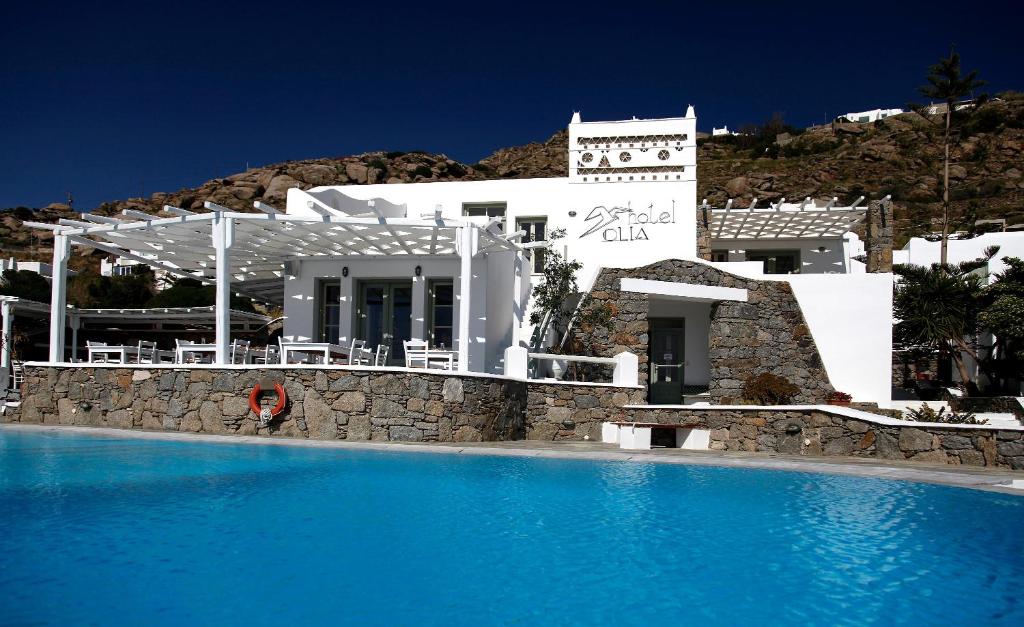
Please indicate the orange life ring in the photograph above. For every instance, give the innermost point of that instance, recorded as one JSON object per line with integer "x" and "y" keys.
{"x": 254, "y": 399}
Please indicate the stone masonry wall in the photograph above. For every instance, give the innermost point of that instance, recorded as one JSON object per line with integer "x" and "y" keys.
{"x": 766, "y": 334}
{"x": 323, "y": 404}
{"x": 573, "y": 412}
{"x": 813, "y": 432}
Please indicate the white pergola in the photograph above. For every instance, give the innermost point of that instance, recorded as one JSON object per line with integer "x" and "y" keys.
{"x": 251, "y": 253}
{"x": 783, "y": 220}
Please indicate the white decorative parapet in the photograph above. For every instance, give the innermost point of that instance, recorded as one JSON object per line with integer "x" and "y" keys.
{"x": 625, "y": 364}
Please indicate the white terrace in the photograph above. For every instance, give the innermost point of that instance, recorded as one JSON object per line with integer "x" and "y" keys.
{"x": 252, "y": 253}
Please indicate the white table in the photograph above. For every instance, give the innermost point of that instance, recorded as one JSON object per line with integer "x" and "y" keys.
{"x": 326, "y": 349}
{"x": 121, "y": 353}
{"x": 194, "y": 348}
{"x": 445, "y": 357}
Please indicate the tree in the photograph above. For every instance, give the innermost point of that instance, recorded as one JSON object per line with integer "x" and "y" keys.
{"x": 192, "y": 293}
{"x": 90, "y": 290}
{"x": 948, "y": 85}
{"x": 25, "y": 284}
{"x": 937, "y": 307}
{"x": 553, "y": 298}
{"x": 1002, "y": 314}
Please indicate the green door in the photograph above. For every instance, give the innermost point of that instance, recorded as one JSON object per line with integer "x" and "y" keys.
{"x": 665, "y": 359}
{"x": 384, "y": 316}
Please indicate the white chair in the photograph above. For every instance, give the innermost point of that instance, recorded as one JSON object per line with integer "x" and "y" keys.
{"x": 240, "y": 351}
{"x": 148, "y": 353}
{"x": 17, "y": 375}
{"x": 415, "y": 353}
{"x": 271, "y": 355}
{"x": 381, "y": 358}
{"x": 358, "y": 354}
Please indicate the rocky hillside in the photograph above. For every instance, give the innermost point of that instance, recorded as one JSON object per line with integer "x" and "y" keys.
{"x": 898, "y": 156}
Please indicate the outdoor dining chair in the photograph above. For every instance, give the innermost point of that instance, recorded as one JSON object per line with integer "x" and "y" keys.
{"x": 381, "y": 357}
{"x": 240, "y": 351}
{"x": 148, "y": 353}
{"x": 358, "y": 354}
{"x": 415, "y": 353}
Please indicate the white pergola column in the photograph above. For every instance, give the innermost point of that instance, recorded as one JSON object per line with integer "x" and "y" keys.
{"x": 518, "y": 306}
{"x": 76, "y": 323}
{"x": 465, "y": 236}
{"x": 223, "y": 239}
{"x": 7, "y": 338}
{"x": 59, "y": 295}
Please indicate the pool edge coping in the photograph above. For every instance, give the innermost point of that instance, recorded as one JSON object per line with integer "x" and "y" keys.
{"x": 976, "y": 478}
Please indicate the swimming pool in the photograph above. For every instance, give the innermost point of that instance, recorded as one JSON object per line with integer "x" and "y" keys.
{"x": 113, "y": 530}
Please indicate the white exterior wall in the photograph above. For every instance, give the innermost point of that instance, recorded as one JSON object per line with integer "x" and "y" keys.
{"x": 817, "y": 256}
{"x": 850, "y": 318}
{"x": 921, "y": 252}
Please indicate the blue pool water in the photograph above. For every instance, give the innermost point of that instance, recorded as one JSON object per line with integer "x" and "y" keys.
{"x": 100, "y": 530}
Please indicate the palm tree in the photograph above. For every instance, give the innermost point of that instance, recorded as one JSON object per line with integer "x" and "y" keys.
{"x": 947, "y": 84}
{"x": 937, "y": 307}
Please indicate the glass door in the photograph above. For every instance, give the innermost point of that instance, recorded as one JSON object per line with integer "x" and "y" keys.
{"x": 384, "y": 316}
{"x": 665, "y": 359}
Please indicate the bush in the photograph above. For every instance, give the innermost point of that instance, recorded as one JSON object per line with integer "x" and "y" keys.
{"x": 926, "y": 414}
{"x": 378, "y": 164}
{"x": 394, "y": 154}
{"x": 839, "y": 397}
{"x": 423, "y": 171}
{"x": 769, "y": 389}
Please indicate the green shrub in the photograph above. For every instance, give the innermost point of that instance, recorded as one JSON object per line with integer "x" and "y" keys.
{"x": 423, "y": 171}
{"x": 377, "y": 164}
{"x": 394, "y": 154}
{"x": 926, "y": 414}
{"x": 769, "y": 389}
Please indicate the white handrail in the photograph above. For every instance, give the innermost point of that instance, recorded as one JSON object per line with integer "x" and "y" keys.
{"x": 579, "y": 358}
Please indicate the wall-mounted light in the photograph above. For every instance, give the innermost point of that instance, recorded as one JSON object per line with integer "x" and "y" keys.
{"x": 572, "y": 214}
{"x": 344, "y": 271}
{"x": 419, "y": 270}
{"x": 821, "y": 249}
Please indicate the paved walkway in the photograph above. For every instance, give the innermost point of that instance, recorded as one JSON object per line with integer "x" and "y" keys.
{"x": 991, "y": 479}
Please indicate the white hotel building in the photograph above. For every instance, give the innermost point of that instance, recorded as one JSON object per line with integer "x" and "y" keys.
{"x": 453, "y": 262}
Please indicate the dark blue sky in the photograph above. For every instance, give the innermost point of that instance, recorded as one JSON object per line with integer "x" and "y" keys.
{"x": 111, "y": 100}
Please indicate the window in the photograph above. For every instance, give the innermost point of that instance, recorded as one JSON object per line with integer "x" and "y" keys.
{"x": 777, "y": 261}
{"x": 441, "y": 310}
{"x": 329, "y": 311}
{"x": 485, "y": 210}
{"x": 536, "y": 231}
{"x": 719, "y": 255}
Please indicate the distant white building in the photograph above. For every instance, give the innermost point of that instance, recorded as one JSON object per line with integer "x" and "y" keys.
{"x": 119, "y": 266}
{"x": 862, "y": 117}
{"x": 924, "y": 252}
{"x": 44, "y": 269}
{"x": 715, "y": 132}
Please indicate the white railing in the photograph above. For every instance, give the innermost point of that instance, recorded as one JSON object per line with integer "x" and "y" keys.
{"x": 624, "y": 365}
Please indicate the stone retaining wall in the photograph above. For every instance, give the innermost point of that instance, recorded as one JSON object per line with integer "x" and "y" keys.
{"x": 814, "y": 432}
{"x": 574, "y": 412}
{"x": 323, "y": 404}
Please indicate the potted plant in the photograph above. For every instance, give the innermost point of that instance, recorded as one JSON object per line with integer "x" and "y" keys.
{"x": 839, "y": 398}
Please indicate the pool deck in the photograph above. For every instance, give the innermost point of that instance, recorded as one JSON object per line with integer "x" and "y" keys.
{"x": 989, "y": 479}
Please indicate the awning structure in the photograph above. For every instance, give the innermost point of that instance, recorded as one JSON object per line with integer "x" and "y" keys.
{"x": 250, "y": 253}
{"x": 783, "y": 220}
{"x": 261, "y": 244}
